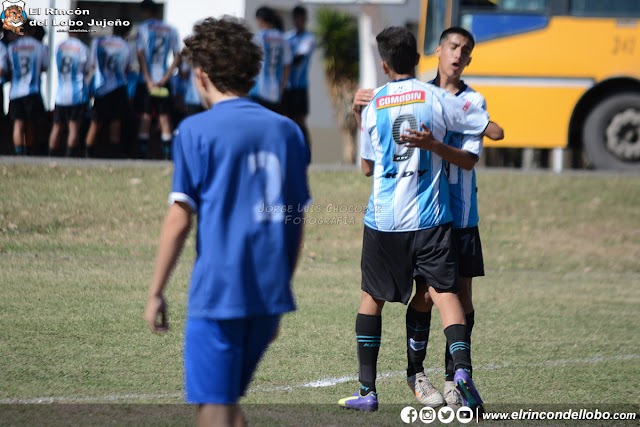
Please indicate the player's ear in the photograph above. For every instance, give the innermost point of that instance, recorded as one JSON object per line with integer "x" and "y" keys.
{"x": 385, "y": 67}
{"x": 417, "y": 59}
{"x": 438, "y": 51}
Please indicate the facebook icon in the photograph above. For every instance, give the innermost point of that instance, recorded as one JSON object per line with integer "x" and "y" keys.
{"x": 408, "y": 415}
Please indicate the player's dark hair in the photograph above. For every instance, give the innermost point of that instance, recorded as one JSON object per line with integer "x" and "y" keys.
{"x": 268, "y": 15}
{"x": 149, "y": 6}
{"x": 299, "y": 11}
{"x": 457, "y": 30}
{"x": 225, "y": 50}
{"x": 398, "y": 48}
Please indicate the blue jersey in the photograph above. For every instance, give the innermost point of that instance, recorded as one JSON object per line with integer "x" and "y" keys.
{"x": 110, "y": 57}
{"x": 72, "y": 59}
{"x": 248, "y": 186}
{"x": 277, "y": 55}
{"x": 410, "y": 190}
{"x": 3, "y": 63}
{"x": 301, "y": 45}
{"x": 156, "y": 40}
{"x": 28, "y": 59}
{"x": 462, "y": 183}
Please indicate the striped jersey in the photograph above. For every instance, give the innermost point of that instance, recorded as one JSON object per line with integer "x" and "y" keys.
{"x": 28, "y": 58}
{"x": 156, "y": 40}
{"x": 410, "y": 189}
{"x": 110, "y": 57}
{"x": 277, "y": 55}
{"x": 462, "y": 183}
{"x": 3, "y": 62}
{"x": 301, "y": 45}
{"x": 72, "y": 60}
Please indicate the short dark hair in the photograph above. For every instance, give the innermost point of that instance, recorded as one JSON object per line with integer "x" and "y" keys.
{"x": 299, "y": 11}
{"x": 268, "y": 15}
{"x": 398, "y": 48}
{"x": 150, "y": 6}
{"x": 457, "y": 30}
{"x": 225, "y": 50}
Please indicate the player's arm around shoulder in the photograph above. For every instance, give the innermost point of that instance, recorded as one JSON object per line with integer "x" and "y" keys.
{"x": 493, "y": 130}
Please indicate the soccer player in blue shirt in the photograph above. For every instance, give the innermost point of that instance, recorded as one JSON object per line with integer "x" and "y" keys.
{"x": 28, "y": 59}
{"x": 242, "y": 170}
{"x": 295, "y": 101}
{"x": 72, "y": 60}
{"x": 276, "y": 64}
{"x": 154, "y": 42}
{"x": 110, "y": 60}
{"x": 461, "y": 152}
{"x": 408, "y": 224}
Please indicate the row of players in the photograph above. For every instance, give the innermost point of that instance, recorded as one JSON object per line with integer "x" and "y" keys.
{"x": 104, "y": 72}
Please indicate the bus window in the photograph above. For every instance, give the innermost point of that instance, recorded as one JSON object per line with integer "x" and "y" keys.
{"x": 436, "y": 10}
{"x": 488, "y": 20}
{"x": 611, "y": 8}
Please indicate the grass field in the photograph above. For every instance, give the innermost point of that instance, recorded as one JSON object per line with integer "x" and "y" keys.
{"x": 557, "y": 316}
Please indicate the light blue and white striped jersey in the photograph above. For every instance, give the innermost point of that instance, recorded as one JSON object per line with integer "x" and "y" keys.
{"x": 410, "y": 190}
{"x": 28, "y": 58}
{"x": 277, "y": 55}
{"x": 4, "y": 64}
{"x": 72, "y": 59}
{"x": 155, "y": 40}
{"x": 462, "y": 183}
{"x": 301, "y": 44}
{"x": 110, "y": 57}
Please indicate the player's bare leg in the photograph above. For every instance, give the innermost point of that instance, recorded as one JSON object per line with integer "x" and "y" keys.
{"x": 94, "y": 128}
{"x": 19, "y": 137}
{"x": 143, "y": 136}
{"x": 166, "y": 135}
{"x": 54, "y": 137}
{"x": 73, "y": 142}
{"x": 220, "y": 415}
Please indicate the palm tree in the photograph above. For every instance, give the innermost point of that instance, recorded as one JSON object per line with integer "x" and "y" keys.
{"x": 337, "y": 34}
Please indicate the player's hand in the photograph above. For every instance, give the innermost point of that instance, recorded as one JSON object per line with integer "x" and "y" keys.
{"x": 361, "y": 99}
{"x": 150, "y": 86}
{"x": 414, "y": 138}
{"x": 155, "y": 314}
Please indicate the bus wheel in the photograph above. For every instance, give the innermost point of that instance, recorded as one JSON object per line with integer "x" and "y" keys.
{"x": 612, "y": 133}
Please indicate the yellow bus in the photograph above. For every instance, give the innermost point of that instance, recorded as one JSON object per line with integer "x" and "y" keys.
{"x": 556, "y": 74}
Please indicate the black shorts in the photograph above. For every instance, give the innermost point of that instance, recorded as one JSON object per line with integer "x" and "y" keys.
{"x": 295, "y": 102}
{"x": 470, "y": 261}
{"x": 143, "y": 102}
{"x": 67, "y": 113}
{"x": 26, "y": 108}
{"x": 112, "y": 106}
{"x": 191, "y": 109}
{"x": 392, "y": 260}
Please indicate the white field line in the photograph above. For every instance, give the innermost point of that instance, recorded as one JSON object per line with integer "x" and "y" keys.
{"x": 323, "y": 382}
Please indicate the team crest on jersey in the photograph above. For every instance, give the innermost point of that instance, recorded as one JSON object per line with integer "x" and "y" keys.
{"x": 413, "y": 97}
{"x": 13, "y": 16}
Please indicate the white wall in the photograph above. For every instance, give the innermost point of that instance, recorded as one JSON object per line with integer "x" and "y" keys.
{"x": 182, "y": 14}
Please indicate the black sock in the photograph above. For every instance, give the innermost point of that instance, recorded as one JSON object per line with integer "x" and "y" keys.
{"x": 418, "y": 326}
{"x": 73, "y": 151}
{"x": 368, "y": 334}
{"x": 448, "y": 360}
{"x": 143, "y": 148}
{"x": 459, "y": 347}
{"x": 20, "y": 150}
{"x": 90, "y": 151}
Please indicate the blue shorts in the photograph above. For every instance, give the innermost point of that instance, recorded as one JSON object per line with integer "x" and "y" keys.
{"x": 220, "y": 356}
